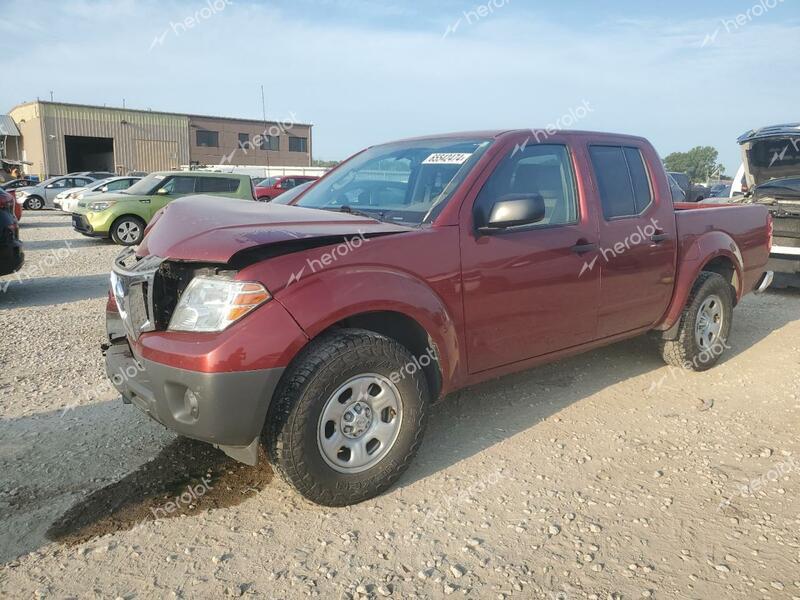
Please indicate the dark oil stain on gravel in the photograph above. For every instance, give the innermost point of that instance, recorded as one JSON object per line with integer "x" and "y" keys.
{"x": 187, "y": 477}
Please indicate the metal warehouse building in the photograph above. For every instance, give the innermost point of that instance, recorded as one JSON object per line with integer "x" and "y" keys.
{"x": 59, "y": 138}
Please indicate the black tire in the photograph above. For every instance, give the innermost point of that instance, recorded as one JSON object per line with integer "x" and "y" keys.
{"x": 123, "y": 227}
{"x": 34, "y": 203}
{"x": 291, "y": 432}
{"x": 685, "y": 350}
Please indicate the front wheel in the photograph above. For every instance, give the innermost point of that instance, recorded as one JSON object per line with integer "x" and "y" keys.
{"x": 348, "y": 417}
{"x": 128, "y": 231}
{"x": 704, "y": 326}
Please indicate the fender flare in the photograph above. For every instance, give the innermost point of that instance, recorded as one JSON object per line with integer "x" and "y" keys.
{"x": 319, "y": 302}
{"x": 705, "y": 248}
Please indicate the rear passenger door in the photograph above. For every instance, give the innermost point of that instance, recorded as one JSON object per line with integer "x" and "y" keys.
{"x": 637, "y": 254}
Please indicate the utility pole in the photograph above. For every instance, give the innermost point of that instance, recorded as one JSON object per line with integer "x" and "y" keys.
{"x": 265, "y": 134}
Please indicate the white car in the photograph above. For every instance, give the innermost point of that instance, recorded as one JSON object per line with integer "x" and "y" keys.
{"x": 40, "y": 196}
{"x": 68, "y": 200}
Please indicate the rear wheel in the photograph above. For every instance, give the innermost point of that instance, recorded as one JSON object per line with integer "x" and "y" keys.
{"x": 348, "y": 417}
{"x": 128, "y": 231}
{"x": 704, "y": 326}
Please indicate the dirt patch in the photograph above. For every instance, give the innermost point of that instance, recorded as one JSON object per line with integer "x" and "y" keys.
{"x": 186, "y": 478}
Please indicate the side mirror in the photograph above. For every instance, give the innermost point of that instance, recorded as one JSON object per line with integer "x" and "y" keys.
{"x": 50, "y": 185}
{"x": 162, "y": 192}
{"x": 104, "y": 189}
{"x": 514, "y": 210}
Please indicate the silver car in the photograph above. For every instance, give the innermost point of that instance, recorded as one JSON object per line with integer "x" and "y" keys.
{"x": 41, "y": 196}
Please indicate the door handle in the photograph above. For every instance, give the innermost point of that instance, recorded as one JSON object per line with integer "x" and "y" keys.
{"x": 145, "y": 201}
{"x": 583, "y": 248}
{"x": 659, "y": 237}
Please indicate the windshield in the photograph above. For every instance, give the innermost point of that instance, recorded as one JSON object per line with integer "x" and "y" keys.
{"x": 146, "y": 186}
{"x": 402, "y": 182}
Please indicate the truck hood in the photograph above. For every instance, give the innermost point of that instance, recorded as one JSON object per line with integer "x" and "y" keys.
{"x": 211, "y": 229}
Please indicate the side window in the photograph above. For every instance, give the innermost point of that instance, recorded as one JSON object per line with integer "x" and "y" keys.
{"x": 622, "y": 180}
{"x": 179, "y": 185}
{"x": 207, "y": 138}
{"x": 61, "y": 183}
{"x": 298, "y": 144}
{"x": 119, "y": 184}
{"x": 216, "y": 184}
{"x": 544, "y": 169}
{"x": 642, "y": 194}
{"x": 288, "y": 183}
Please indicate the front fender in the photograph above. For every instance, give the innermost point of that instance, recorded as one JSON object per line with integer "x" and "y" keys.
{"x": 330, "y": 296}
{"x": 703, "y": 250}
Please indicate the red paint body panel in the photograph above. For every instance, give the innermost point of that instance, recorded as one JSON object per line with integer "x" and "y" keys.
{"x": 266, "y": 338}
{"x": 195, "y": 230}
{"x": 491, "y": 304}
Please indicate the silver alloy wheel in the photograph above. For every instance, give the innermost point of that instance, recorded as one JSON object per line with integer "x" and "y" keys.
{"x": 36, "y": 203}
{"x": 708, "y": 327}
{"x": 128, "y": 231}
{"x": 360, "y": 423}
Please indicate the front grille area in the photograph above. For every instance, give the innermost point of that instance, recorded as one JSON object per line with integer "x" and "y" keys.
{"x": 132, "y": 286}
{"x": 147, "y": 290}
{"x": 80, "y": 223}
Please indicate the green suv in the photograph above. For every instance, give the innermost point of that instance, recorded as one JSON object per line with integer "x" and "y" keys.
{"x": 123, "y": 216}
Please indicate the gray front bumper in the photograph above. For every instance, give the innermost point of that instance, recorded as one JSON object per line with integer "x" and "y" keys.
{"x": 224, "y": 409}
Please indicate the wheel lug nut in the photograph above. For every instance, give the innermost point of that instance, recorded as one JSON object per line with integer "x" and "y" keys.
{"x": 348, "y": 429}
{"x": 348, "y": 416}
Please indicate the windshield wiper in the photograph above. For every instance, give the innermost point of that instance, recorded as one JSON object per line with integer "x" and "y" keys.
{"x": 354, "y": 211}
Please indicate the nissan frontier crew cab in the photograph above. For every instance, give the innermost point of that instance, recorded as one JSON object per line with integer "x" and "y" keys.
{"x": 323, "y": 330}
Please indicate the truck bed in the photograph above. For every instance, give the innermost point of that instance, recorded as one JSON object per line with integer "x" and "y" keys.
{"x": 746, "y": 224}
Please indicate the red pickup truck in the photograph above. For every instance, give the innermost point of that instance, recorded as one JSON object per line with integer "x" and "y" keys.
{"x": 323, "y": 330}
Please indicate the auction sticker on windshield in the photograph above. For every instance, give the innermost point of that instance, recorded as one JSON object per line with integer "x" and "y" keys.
{"x": 447, "y": 158}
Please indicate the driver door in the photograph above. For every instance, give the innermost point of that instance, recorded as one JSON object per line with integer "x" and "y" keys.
{"x": 527, "y": 289}
{"x": 175, "y": 187}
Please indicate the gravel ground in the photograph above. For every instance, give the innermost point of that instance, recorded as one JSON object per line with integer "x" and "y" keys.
{"x": 604, "y": 476}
